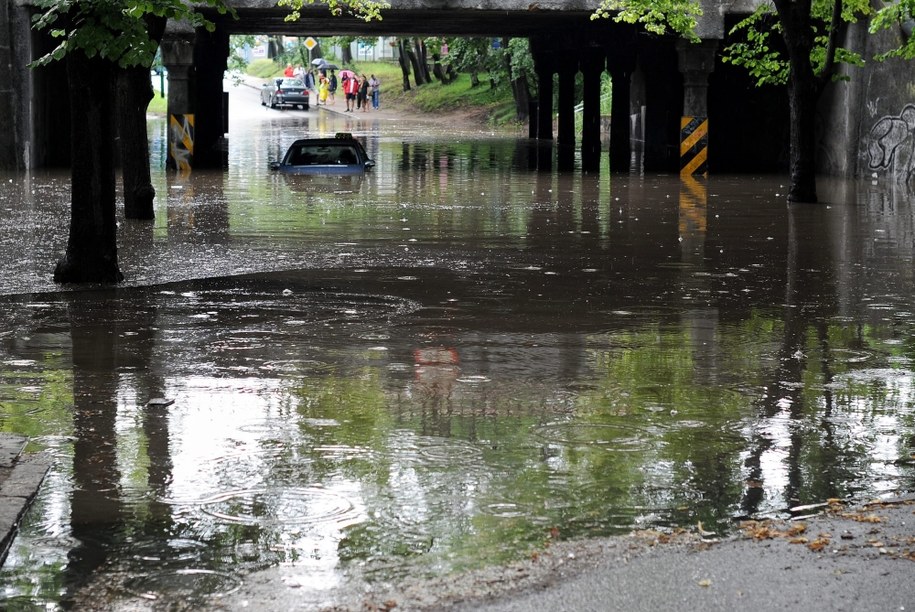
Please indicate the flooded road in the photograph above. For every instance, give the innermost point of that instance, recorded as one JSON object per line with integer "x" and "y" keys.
{"x": 442, "y": 365}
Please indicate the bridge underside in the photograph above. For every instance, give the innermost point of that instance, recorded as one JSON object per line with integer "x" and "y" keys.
{"x": 315, "y": 21}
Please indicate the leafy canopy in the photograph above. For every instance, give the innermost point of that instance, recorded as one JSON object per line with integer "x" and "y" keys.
{"x": 116, "y": 30}
{"x": 367, "y": 10}
{"x": 891, "y": 15}
{"x": 656, "y": 16}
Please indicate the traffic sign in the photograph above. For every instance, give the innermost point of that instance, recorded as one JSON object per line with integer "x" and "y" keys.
{"x": 310, "y": 43}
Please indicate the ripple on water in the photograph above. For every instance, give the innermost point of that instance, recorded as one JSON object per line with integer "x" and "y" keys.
{"x": 612, "y": 436}
{"x": 183, "y": 583}
{"x": 446, "y": 451}
{"x": 281, "y": 506}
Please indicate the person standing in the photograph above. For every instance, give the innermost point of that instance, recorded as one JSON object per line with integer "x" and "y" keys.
{"x": 362, "y": 98}
{"x": 332, "y": 86}
{"x": 350, "y": 89}
{"x": 375, "y": 91}
{"x": 289, "y": 72}
{"x": 323, "y": 91}
{"x": 298, "y": 72}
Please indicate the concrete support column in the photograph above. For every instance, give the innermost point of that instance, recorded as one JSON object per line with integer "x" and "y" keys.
{"x": 565, "y": 139}
{"x": 592, "y": 67}
{"x": 542, "y": 52}
{"x": 621, "y": 65}
{"x": 696, "y": 63}
{"x": 13, "y": 90}
{"x": 178, "y": 58}
{"x": 211, "y": 55}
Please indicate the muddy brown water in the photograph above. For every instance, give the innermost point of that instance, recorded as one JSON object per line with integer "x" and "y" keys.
{"x": 440, "y": 365}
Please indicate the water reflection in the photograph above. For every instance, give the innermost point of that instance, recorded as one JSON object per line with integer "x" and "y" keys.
{"x": 435, "y": 367}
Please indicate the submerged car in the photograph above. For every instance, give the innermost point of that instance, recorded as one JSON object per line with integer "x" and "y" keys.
{"x": 285, "y": 91}
{"x": 341, "y": 154}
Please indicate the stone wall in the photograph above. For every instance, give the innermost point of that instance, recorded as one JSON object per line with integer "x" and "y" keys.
{"x": 867, "y": 124}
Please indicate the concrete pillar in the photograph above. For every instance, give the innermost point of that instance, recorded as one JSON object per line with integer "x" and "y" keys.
{"x": 696, "y": 63}
{"x": 13, "y": 92}
{"x": 592, "y": 67}
{"x": 566, "y": 126}
{"x": 178, "y": 58}
{"x": 211, "y": 54}
{"x": 621, "y": 64}
{"x": 543, "y": 53}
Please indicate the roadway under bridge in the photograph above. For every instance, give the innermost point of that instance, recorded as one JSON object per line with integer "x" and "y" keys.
{"x": 661, "y": 85}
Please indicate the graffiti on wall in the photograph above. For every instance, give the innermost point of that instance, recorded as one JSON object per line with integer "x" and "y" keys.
{"x": 181, "y": 142}
{"x": 891, "y": 144}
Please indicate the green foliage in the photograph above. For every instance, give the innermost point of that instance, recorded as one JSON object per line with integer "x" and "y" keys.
{"x": 656, "y": 16}
{"x": 759, "y": 49}
{"x": 237, "y": 44}
{"x": 116, "y": 30}
{"x": 894, "y": 14}
{"x": 367, "y": 10}
{"x": 755, "y": 51}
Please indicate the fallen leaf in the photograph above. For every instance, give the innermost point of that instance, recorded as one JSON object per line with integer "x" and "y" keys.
{"x": 818, "y": 544}
{"x": 797, "y": 529}
{"x": 798, "y": 540}
{"x": 705, "y": 582}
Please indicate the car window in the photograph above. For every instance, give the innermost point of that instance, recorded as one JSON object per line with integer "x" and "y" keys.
{"x": 322, "y": 155}
{"x": 293, "y": 83}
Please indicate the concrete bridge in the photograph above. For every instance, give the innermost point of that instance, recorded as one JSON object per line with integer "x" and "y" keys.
{"x": 664, "y": 88}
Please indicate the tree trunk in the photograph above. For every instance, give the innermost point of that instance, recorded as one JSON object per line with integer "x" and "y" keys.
{"x": 404, "y": 66}
{"x": 522, "y": 95}
{"x": 414, "y": 62}
{"x": 92, "y": 254}
{"x": 437, "y": 69}
{"x": 346, "y": 54}
{"x": 423, "y": 59}
{"x": 803, "y": 93}
{"x": 474, "y": 79}
{"x": 134, "y": 93}
{"x": 802, "y": 101}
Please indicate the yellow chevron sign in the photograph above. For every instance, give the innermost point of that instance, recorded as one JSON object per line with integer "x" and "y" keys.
{"x": 693, "y": 146}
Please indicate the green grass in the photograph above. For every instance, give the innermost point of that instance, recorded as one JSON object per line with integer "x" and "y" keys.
{"x": 158, "y": 105}
{"x": 435, "y": 97}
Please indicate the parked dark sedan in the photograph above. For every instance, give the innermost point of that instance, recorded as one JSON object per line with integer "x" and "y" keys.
{"x": 341, "y": 154}
{"x": 285, "y": 91}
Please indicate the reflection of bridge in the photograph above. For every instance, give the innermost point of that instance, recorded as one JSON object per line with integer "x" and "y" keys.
{"x": 657, "y": 81}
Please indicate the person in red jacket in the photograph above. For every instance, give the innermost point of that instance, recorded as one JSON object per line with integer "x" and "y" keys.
{"x": 350, "y": 89}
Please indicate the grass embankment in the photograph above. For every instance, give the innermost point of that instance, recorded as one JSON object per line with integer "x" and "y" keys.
{"x": 494, "y": 106}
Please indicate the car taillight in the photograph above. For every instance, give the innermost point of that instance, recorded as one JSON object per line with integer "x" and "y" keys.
{"x": 279, "y": 92}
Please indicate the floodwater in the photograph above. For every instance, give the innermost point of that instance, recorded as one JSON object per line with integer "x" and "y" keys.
{"x": 440, "y": 366}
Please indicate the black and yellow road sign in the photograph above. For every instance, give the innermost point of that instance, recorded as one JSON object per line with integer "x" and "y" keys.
{"x": 693, "y": 146}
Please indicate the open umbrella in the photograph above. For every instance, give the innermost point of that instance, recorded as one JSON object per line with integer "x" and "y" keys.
{"x": 322, "y": 64}
{"x": 347, "y": 74}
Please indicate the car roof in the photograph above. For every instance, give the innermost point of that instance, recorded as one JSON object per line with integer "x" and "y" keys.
{"x": 326, "y": 141}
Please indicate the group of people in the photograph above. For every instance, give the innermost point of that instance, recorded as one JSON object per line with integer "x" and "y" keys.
{"x": 357, "y": 90}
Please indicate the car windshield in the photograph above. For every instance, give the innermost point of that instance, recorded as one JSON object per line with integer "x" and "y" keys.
{"x": 322, "y": 155}
{"x": 287, "y": 83}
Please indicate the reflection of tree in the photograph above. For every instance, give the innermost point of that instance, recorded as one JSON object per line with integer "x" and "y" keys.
{"x": 101, "y": 353}
{"x": 809, "y": 302}
{"x": 96, "y": 512}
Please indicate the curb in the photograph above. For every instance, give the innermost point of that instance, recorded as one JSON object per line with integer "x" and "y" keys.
{"x": 20, "y": 480}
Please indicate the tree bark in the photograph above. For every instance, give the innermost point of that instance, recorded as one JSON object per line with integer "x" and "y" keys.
{"x": 404, "y": 66}
{"x": 423, "y": 58}
{"x": 134, "y": 93}
{"x": 92, "y": 254}
{"x": 803, "y": 93}
{"x": 418, "y": 75}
